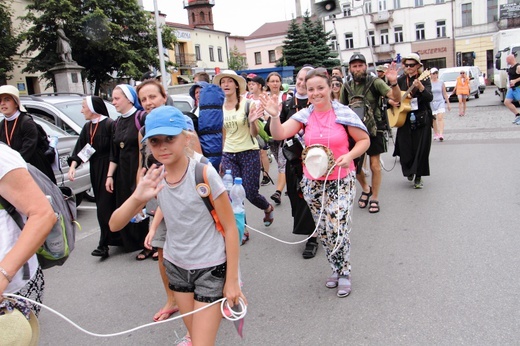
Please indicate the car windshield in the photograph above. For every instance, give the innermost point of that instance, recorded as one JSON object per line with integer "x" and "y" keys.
{"x": 449, "y": 76}
{"x": 73, "y": 111}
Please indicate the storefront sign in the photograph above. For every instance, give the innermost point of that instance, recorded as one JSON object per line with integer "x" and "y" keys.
{"x": 508, "y": 11}
{"x": 432, "y": 51}
{"x": 183, "y": 35}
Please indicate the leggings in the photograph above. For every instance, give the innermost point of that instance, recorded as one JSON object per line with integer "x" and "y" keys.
{"x": 246, "y": 164}
{"x": 336, "y": 221}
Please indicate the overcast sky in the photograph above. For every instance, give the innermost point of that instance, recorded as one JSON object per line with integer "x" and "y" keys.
{"x": 239, "y": 17}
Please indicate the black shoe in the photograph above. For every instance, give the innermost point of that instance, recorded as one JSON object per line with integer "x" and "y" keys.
{"x": 100, "y": 252}
{"x": 410, "y": 177}
{"x": 265, "y": 180}
{"x": 276, "y": 197}
{"x": 310, "y": 248}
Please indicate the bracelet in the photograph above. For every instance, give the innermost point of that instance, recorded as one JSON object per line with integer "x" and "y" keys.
{"x": 109, "y": 176}
{"x": 272, "y": 116}
{"x": 7, "y": 276}
{"x": 393, "y": 85}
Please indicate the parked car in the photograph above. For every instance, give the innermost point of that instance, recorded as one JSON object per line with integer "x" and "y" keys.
{"x": 61, "y": 109}
{"x": 481, "y": 81}
{"x": 183, "y": 102}
{"x": 449, "y": 77}
{"x": 66, "y": 144}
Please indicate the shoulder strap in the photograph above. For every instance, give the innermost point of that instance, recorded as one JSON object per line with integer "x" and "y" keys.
{"x": 369, "y": 87}
{"x": 202, "y": 178}
{"x": 139, "y": 119}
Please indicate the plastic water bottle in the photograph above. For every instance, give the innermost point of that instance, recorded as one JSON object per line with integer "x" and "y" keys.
{"x": 139, "y": 217}
{"x": 238, "y": 196}
{"x": 227, "y": 179}
{"x": 53, "y": 141}
{"x": 413, "y": 121}
{"x": 55, "y": 242}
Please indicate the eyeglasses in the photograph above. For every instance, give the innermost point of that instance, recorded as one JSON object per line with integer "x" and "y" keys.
{"x": 320, "y": 71}
{"x": 336, "y": 84}
{"x": 410, "y": 65}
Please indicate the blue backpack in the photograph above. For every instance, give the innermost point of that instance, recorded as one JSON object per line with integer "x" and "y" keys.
{"x": 211, "y": 120}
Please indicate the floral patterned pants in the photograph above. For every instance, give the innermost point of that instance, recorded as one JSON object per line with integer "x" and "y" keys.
{"x": 335, "y": 221}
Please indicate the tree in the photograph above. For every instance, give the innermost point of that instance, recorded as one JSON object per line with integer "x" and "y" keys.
{"x": 8, "y": 42}
{"x": 237, "y": 61}
{"x": 105, "y": 36}
{"x": 319, "y": 40}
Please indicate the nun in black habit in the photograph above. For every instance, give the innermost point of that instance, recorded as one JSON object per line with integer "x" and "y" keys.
{"x": 93, "y": 145}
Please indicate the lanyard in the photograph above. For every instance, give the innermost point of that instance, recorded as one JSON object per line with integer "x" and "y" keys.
{"x": 12, "y": 131}
{"x": 92, "y": 134}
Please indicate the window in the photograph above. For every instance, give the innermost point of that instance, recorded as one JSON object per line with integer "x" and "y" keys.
{"x": 349, "y": 40}
{"x": 466, "y": 15}
{"x": 346, "y": 10}
{"x": 492, "y": 11}
{"x": 272, "y": 56}
{"x": 384, "y": 36}
{"x": 397, "y": 4}
{"x": 197, "y": 52}
{"x": 439, "y": 2}
{"x": 371, "y": 38}
{"x": 381, "y": 5}
{"x": 441, "y": 28}
{"x": 211, "y": 54}
{"x": 419, "y": 32}
{"x": 419, "y": 3}
{"x": 398, "y": 34}
{"x": 219, "y": 54}
{"x": 334, "y": 46}
{"x": 258, "y": 58}
{"x": 368, "y": 7}
{"x": 202, "y": 17}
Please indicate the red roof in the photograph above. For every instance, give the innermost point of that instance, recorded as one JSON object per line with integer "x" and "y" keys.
{"x": 274, "y": 29}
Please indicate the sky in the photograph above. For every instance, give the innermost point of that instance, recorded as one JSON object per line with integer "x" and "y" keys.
{"x": 238, "y": 17}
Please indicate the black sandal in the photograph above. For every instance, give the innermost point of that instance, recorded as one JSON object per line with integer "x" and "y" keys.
{"x": 144, "y": 254}
{"x": 373, "y": 207}
{"x": 310, "y": 249}
{"x": 364, "y": 200}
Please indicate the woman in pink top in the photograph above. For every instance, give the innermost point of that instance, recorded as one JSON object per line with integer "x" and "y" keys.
{"x": 462, "y": 92}
{"x": 328, "y": 126}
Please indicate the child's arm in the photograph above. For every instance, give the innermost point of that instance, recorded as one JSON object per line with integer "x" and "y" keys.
{"x": 157, "y": 218}
{"x": 147, "y": 189}
{"x": 225, "y": 214}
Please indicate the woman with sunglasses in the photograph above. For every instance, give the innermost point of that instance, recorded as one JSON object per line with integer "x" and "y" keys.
{"x": 337, "y": 83}
{"x": 440, "y": 100}
{"x": 330, "y": 192}
{"x": 413, "y": 139}
{"x": 462, "y": 92}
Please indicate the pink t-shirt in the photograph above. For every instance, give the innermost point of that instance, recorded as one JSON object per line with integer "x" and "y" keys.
{"x": 322, "y": 129}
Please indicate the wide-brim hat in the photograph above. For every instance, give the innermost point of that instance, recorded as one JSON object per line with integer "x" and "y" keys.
{"x": 164, "y": 121}
{"x": 13, "y": 91}
{"x": 413, "y": 56}
{"x": 16, "y": 329}
{"x": 231, "y": 74}
{"x": 381, "y": 68}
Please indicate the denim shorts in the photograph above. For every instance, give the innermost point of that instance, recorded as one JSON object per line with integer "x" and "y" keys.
{"x": 206, "y": 284}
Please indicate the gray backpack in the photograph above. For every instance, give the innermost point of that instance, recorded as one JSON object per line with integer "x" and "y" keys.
{"x": 60, "y": 241}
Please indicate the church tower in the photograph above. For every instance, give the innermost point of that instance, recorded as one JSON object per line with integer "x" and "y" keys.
{"x": 199, "y": 13}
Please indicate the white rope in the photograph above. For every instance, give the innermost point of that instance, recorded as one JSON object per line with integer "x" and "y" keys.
{"x": 231, "y": 316}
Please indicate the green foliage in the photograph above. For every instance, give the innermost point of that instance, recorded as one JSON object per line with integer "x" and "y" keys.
{"x": 105, "y": 36}
{"x": 307, "y": 44}
{"x": 8, "y": 42}
{"x": 236, "y": 60}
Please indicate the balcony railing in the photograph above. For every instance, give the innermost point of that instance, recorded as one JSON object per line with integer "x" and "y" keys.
{"x": 186, "y": 60}
{"x": 384, "y": 48}
{"x": 198, "y": 2}
{"x": 381, "y": 17}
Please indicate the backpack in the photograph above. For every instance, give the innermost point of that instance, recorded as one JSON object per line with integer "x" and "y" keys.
{"x": 60, "y": 241}
{"x": 201, "y": 177}
{"x": 360, "y": 105}
{"x": 139, "y": 119}
{"x": 43, "y": 140}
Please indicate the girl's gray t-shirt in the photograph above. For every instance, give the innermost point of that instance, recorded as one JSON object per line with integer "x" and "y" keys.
{"x": 192, "y": 240}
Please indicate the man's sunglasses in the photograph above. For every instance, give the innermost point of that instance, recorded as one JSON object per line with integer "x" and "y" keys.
{"x": 336, "y": 84}
{"x": 410, "y": 65}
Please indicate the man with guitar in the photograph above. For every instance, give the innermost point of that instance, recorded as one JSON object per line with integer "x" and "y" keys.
{"x": 370, "y": 90}
{"x": 414, "y": 137}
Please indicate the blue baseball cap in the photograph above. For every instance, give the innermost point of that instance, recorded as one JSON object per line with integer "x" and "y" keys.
{"x": 164, "y": 121}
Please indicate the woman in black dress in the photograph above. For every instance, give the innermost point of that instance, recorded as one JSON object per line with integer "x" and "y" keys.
{"x": 19, "y": 131}
{"x": 124, "y": 163}
{"x": 97, "y": 134}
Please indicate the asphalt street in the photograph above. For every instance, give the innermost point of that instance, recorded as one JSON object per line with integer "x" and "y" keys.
{"x": 436, "y": 266}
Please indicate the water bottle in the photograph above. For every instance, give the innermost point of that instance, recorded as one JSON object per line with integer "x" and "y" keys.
{"x": 413, "y": 121}
{"x": 53, "y": 141}
{"x": 227, "y": 179}
{"x": 238, "y": 196}
{"x": 139, "y": 217}
{"x": 55, "y": 241}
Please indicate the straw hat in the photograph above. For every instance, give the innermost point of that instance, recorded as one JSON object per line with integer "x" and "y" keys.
{"x": 15, "y": 329}
{"x": 11, "y": 90}
{"x": 413, "y": 56}
{"x": 231, "y": 74}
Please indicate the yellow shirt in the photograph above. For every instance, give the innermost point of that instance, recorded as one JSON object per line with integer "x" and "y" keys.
{"x": 238, "y": 135}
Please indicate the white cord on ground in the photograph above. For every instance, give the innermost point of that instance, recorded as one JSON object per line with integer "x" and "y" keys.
{"x": 234, "y": 316}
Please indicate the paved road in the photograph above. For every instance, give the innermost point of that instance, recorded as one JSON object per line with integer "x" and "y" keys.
{"x": 436, "y": 266}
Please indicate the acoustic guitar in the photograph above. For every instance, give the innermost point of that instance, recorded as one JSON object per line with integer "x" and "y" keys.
{"x": 397, "y": 115}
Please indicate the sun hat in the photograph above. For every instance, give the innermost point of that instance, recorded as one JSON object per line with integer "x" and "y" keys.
{"x": 164, "y": 121}
{"x": 381, "y": 68}
{"x": 433, "y": 70}
{"x": 413, "y": 56}
{"x": 17, "y": 328}
{"x": 318, "y": 159}
{"x": 357, "y": 57}
{"x": 131, "y": 95}
{"x": 13, "y": 91}
{"x": 231, "y": 74}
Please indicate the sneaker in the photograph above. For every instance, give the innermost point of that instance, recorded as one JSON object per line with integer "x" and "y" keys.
{"x": 516, "y": 121}
{"x": 418, "y": 184}
{"x": 185, "y": 341}
{"x": 265, "y": 181}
